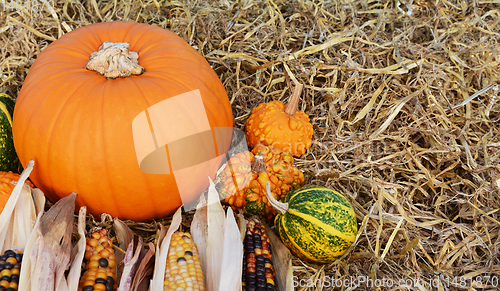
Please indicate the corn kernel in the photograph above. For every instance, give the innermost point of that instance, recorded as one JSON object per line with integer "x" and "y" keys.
{"x": 98, "y": 248}
{"x": 93, "y": 243}
{"x": 99, "y": 287}
{"x": 6, "y": 272}
{"x": 105, "y": 253}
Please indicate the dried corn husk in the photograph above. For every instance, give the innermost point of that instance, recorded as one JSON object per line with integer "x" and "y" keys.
{"x": 78, "y": 252}
{"x": 282, "y": 261}
{"x": 130, "y": 265}
{"x": 48, "y": 251}
{"x": 21, "y": 214}
{"x": 211, "y": 229}
{"x": 162, "y": 251}
{"x": 124, "y": 237}
{"x": 22, "y": 210}
{"x": 135, "y": 252}
{"x": 144, "y": 269}
{"x": 124, "y": 234}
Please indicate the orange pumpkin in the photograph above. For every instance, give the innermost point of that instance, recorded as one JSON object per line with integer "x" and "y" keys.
{"x": 284, "y": 127}
{"x": 127, "y": 115}
{"x": 6, "y": 187}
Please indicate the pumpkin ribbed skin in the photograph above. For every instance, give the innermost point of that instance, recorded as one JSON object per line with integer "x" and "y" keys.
{"x": 319, "y": 225}
{"x": 8, "y": 156}
{"x": 77, "y": 124}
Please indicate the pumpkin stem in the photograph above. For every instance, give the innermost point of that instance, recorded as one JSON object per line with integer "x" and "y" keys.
{"x": 293, "y": 104}
{"x": 279, "y": 206}
{"x": 114, "y": 60}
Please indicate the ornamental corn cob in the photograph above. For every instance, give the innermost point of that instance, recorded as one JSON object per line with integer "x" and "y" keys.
{"x": 100, "y": 274}
{"x": 258, "y": 270}
{"x": 10, "y": 265}
{"x": 183, "y": 270}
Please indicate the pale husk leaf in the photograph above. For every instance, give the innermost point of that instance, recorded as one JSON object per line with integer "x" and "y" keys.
{"x": 22, "y": 220}
{"x": 199, "y": 232}
{"x": 49, "y": 256}
{"x": 124, "y": 237}
{"x": 282, "y": 261}
{"x": 124, "y": 234}
{"x": 78, "y": 252}
{"x": 18, "y": 217}
{"x": 145, "y": 269}
{"x": 130, "y": 264}
{"x": 162, "y": 252}
{"x": 211, "y": 229}
{"x": 232, "y": 257}
{"x": 207, "y": 230}
{"x": 25, "y": 272}
{"x": 242, "y": 224}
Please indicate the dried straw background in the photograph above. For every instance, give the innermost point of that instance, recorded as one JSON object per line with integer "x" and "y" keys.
{"x": 402, "y": 96}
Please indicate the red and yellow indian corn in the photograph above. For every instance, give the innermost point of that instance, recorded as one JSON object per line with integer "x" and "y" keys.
{"x": 183, "y": 270}
{"x": 258, "y": 270}
{"x": 100, "y": 263}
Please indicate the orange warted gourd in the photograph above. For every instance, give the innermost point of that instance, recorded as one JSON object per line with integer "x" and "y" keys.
{"x": 242, "y": 181}
{"x": 7, "y": 184}
{"x": 273, "y": 124}
{"x": 124, "y": 114}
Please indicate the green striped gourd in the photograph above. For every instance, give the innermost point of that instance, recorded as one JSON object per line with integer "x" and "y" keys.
{"x": 8, "y": 157}
{"x": 316, "y": 223}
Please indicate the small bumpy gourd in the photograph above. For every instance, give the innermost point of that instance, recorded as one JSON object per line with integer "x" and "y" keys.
{"x": 275, "y": 125}
{"x": 242, "y": 182}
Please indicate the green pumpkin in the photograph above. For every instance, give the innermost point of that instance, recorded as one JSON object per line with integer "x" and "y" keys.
{"x": 8, "y": 157}
{"x": 316, "y": 223}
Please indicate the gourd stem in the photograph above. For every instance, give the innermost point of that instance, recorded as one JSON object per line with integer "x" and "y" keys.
{"x": 258, "y": 164}
{"x": 279, "y": 206}
{"x": 114, "y": 60}
{"x": 293, "y": 104}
